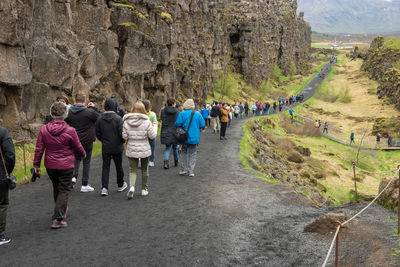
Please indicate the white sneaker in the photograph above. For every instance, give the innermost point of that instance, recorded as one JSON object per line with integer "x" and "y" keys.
{"x": 151, "y": 163}
{"x": 87, "y": 188}
{"x": 73, "y": 182}
{"x": 130, "y": 192}
{"x": 191, "y": 175}
{"x": 123, "y": 187}
{"x": 104, "y": 191}
{"x": 182, "y": 173}
{"x": 145, "y": 192}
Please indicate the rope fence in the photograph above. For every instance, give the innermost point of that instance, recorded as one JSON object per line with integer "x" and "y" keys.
{"x": 380, "y": 172}
{"x": 340, "y": 225}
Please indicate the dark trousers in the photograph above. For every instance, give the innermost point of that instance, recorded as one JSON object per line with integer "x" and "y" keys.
{"x": 86, "y": 164}
{"x": 152, "y": 143}
{"x": 3, "y": 207}
{"x": 208, "y": 122}
{"x": 62, "y": 184}
{"x": 223, "y": 128}
{"x": 106, "y": 169}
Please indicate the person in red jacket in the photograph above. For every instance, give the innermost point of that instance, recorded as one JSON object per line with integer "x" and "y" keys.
{"x": 59, "y": 141}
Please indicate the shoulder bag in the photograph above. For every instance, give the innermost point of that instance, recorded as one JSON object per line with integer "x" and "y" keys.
{"x": 180, "y": 134}
{"x": 11, "y": 180}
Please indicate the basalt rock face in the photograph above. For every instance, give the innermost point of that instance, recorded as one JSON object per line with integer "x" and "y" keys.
{"x": 157, "y": 49}
{"x": 382, "y": 63}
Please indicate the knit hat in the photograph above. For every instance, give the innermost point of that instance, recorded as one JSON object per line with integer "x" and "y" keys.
{"x": 189, "y": 104}
{"x": 58, "y": 111}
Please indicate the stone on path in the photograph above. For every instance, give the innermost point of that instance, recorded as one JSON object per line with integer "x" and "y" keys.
{"x": 326, "y": 223}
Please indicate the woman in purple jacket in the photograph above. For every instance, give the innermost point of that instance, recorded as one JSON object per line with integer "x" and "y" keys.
{"x": 60, "y": 141}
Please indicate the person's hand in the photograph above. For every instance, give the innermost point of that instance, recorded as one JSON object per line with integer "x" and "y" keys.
{"x": 38, "y": 172}
{"x": 90, "y": 105}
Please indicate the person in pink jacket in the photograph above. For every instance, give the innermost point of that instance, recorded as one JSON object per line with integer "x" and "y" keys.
{"x": 58, "y": 141}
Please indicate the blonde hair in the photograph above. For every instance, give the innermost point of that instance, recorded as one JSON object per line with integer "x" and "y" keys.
{"x": 138, "y": 107}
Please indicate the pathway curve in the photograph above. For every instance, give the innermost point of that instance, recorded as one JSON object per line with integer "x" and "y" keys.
{"x": 222, "y": 216}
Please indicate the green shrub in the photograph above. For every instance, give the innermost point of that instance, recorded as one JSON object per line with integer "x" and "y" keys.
{"x": 225, "y": 84}
{"x": 275, "y": 73}
{"x": 292, "y": 69}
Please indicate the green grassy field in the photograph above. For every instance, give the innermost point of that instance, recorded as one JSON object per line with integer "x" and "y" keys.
{"x": 23, "y": 174}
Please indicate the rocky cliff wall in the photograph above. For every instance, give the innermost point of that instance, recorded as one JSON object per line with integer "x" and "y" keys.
{"x": 153, "y": 49}
{"x": 382, "y": 63}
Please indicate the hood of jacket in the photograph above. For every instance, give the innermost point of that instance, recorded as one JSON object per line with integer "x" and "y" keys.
{"x": 76, "y": 108}
{"x": 135, "y": 119}
{"x": 171, "y": 110}
{"x": 56, "y": 127}
{"x": 109, "y": 116}
{"x": 111, "y": 105}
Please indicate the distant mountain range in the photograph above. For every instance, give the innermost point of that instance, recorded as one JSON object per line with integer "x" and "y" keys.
{"x": 352, "y": 16}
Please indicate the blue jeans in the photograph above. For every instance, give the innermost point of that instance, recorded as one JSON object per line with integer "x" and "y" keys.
{"x": 152, "y": 143}
{"x": 168, "y": 151}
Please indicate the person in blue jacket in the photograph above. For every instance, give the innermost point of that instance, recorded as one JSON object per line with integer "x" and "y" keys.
{"x": 189, "y": 148}
{"x": 205, "y": 112}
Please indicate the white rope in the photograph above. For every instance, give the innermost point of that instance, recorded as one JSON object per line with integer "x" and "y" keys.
{"x": 331, "y": 247}
{"x": 372, "y": 202}
{"x": 375, "y": 172}
{"x": 352, "y": 218}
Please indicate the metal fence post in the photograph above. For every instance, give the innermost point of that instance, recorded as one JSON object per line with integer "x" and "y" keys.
{"x": 23, "y": 148}
{"x": 337, "y": 245}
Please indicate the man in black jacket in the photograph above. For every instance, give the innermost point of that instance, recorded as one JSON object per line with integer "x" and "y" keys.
{"x": 83, "y": 118}
{"x": 8, "y": 151}
{"x": 215, "y": 114}
{"x": 109, "y": 132}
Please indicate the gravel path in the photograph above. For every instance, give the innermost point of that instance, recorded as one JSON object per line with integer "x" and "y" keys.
{"x": 222, "y": 216}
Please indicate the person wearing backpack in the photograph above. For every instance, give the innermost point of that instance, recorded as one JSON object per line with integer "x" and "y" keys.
{"x": 109, "y": 132}
{"x": 6, "y": 167}
{"x": 192, "y": 122}
{"x": 137, "y": 129}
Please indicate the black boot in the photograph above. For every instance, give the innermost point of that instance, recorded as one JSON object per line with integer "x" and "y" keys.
{"x": 176, "y": 163}
{"x": 166, "y": 164}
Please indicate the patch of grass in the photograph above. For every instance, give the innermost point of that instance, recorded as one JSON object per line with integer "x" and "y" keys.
{"x": 392, "y": 43}
{"x": 19, "y": 170}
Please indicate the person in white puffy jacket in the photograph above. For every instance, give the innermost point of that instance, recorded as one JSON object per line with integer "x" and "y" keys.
{"x": 137, "y": 130}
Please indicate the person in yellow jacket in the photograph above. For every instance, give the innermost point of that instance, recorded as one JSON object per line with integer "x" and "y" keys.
{"x": 224, "y": 121}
